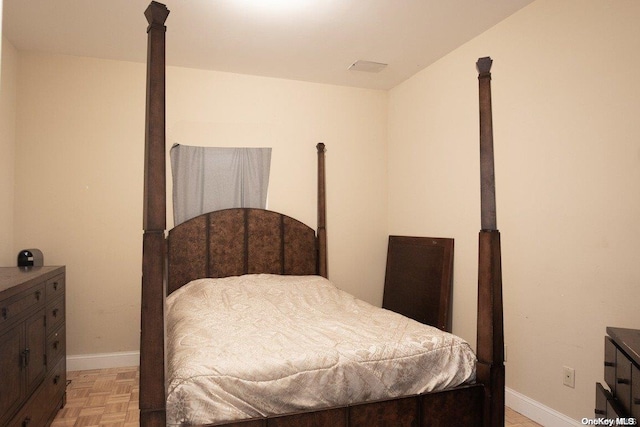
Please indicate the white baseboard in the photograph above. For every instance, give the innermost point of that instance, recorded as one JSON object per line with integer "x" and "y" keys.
{"x": 86, "y": 362}
{"x": 536, "y": 411}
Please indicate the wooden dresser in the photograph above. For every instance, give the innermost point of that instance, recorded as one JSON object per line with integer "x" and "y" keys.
{"x": 622, "y": 376}
{"x": 32, "y": 345}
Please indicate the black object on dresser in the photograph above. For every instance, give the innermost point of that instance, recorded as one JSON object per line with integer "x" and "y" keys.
{"x": 32, "y": 345}
{"x": 621, "y": 374}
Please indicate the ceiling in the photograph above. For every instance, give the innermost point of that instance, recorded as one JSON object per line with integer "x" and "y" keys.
{"x": 310, "y": 40}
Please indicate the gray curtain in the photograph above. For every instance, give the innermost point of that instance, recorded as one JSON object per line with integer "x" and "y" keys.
{"x": 206, "y": 179}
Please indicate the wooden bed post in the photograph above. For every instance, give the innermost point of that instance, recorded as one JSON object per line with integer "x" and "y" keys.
{"x": 322, "y": 214}
{"x": 490, "y": 338}
{"x": 152, "y": 387}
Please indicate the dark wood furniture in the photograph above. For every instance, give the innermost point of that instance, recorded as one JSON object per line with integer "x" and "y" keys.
{"x": 32, "y": 345}
{"x": 250, "y": 233}
{"x": 419, "y": 279}
{"x": 621, "y": 374}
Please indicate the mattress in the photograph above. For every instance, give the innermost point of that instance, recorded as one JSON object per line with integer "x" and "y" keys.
{"x": 258, "y": 345}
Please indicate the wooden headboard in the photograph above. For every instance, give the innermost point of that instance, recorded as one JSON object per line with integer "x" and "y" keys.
{"x": 233, "y": 242}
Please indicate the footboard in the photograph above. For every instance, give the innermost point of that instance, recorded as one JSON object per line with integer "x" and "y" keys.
{"x": 461, "y": 406}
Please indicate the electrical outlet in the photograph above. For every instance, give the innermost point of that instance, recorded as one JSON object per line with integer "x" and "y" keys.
{"x": 569, "y": 377}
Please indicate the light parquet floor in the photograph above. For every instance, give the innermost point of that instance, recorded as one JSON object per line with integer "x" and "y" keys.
{"x": 101, "y": 397}
{"x": 109, "y": 398}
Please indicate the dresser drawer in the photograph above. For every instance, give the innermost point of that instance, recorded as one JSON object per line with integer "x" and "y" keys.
{"x": 610, "y": 351}
{"x": 55, "y": 314}
{"x": 607, "y": 406}
{"x": 623, "y": 380}
{"x": 56, "y": 345}
{"x": 55, "y": 384}
{"x": 55, "y": 287}
{"x": 602, "y": 396}
{"x": 15, "y": 307}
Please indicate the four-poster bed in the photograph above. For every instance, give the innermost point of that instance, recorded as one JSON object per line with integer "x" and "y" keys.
{"x": 242, "y": 241}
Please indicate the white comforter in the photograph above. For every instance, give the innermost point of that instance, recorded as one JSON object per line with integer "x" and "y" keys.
{"x": 257, "y": 345}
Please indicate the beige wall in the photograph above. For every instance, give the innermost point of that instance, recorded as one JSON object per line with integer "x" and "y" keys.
{"x": 79, "y": 152}
{"x": 566, "y": 100}
{"x": 78, "y": 189}
{"x": 7, "y": 150}
{"x": 206, "y": 108}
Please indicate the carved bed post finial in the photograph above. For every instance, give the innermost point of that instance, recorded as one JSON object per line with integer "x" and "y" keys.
{"x": 152, "y": 396}
{"x": 490, "y": 339}
{"x": 483, "y": 65}
{"x": 322, "y": 214}
{"x": 156, "y": 14}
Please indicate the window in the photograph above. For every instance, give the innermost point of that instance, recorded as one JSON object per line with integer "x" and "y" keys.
{"x": 207, "y": 179}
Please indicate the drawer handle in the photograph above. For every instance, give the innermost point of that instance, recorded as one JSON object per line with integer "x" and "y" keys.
{"x": 5, "y": 313}
{"x": 25, "y": 357}
{"x": 55, "y": 286}
{"x": 26, "y": 422}
{"x": 609, "y": 364}
{"x": 56, "y": 379}
{"x": 55, "y": 312}
{"x": 38, "y": 295}
{"x": 623, "y": 381}
{"x": 55, "y": 345}
{"x": 600, "y": 412}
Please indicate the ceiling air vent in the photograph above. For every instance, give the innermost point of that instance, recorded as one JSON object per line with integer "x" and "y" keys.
{"x": 368, "y": 66}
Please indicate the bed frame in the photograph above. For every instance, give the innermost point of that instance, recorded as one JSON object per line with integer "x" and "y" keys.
{"x": 238, "y": 241}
